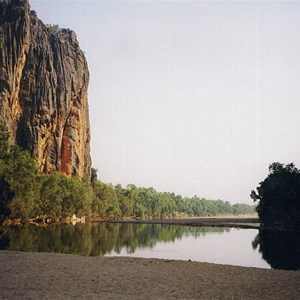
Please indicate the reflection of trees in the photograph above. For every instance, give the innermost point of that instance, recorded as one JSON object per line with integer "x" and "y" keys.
{"x": 280, "y": 249}
{"x": 96, "y": 238}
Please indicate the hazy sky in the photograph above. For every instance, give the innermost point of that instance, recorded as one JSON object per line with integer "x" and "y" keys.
{"x": 191, "y": 97}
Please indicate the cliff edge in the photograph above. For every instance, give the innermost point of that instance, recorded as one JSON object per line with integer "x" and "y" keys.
{"x": 43, "y": 90}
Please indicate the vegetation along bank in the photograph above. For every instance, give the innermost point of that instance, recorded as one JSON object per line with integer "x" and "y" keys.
{"x": 27, "y": 193}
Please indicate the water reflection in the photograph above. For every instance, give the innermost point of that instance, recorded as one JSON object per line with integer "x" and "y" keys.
{"x": 280, "y": 249}
{"x": 207, "y": 244}
{"x": 95, "y": 239}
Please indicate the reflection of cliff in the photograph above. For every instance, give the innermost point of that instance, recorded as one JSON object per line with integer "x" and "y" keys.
{"x": 43, "y": 90}
{"x": 94, "y": 239}
{"x": 280, "y": 249}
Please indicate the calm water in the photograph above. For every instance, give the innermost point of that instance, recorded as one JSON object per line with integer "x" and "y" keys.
{"x": 243, "y": 247}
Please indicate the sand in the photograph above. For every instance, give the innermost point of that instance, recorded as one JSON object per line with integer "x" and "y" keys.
{"x": 25, "y": 275}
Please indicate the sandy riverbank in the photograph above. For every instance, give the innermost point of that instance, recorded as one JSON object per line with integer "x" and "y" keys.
{"x": 57, "y": 276}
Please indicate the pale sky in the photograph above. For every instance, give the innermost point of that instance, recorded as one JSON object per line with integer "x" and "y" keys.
{"x": 191, "y": 97}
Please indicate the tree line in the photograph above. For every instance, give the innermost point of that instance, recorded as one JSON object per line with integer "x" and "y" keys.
{"x": 26, "y": 193}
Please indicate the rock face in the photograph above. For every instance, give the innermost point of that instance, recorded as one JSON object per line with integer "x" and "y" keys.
{"x": 43, "y": 90}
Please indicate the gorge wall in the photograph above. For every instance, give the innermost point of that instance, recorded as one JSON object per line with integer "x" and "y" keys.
{"x": 43, "y": 90}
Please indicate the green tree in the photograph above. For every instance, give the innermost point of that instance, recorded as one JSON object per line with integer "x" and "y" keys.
{"x": 279, "y": 196}
{"x": 78, "y": 198}
{"x": 6, "y": 195}
{"x": 19, "y": 170}
{"x": 126, "y": 203}
{"x": 53, "y": 28}
{"x": 19, "y": 187}
{"x": 52, "y": 193}
{"x": 106, "y": 203}
{"x": 4, "y": 145}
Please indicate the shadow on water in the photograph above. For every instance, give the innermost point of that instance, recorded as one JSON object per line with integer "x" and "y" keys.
{"x": 280, "y": 249}
{"x": 94, "y": 239}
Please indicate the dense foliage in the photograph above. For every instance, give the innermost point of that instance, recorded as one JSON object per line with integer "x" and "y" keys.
{"x": 26, "y": 193}
{"x": 279, "y": 196}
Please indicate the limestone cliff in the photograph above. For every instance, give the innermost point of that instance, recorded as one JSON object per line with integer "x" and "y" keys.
{"x": 43, "y": 90}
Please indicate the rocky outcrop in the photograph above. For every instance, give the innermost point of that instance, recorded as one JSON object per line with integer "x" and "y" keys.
{"x": 43, "y": 90}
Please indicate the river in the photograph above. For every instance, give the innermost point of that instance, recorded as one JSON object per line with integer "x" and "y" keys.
{"x": 219, "y": 245}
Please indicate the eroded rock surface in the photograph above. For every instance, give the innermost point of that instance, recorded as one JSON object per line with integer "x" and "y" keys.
{"x": 43, "y": 90}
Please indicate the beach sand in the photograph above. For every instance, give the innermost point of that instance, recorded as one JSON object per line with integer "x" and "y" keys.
{"x": 25, "y": 275}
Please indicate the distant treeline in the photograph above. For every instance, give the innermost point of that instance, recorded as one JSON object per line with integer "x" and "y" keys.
{"x": 26, "y": 193}
{"x": 144, "y": 203}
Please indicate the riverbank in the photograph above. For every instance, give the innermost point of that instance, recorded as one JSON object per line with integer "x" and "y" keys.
{"x": 58, "y": 276}
{"x": 245, "y": 222}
